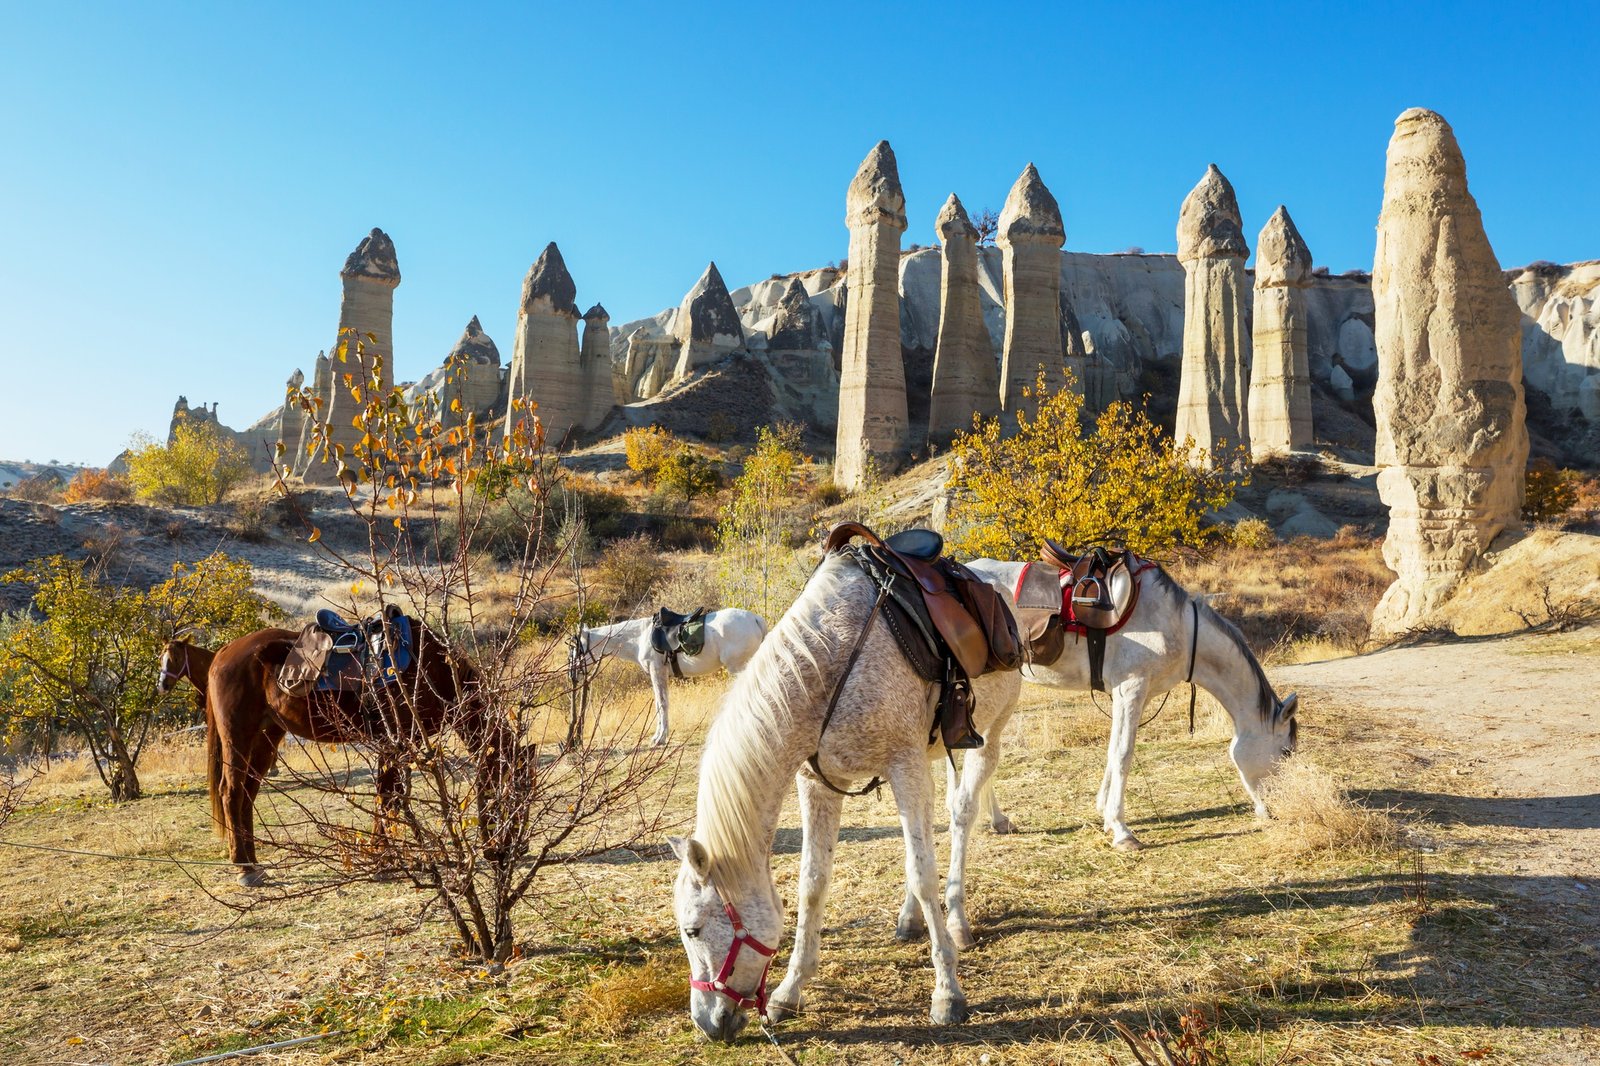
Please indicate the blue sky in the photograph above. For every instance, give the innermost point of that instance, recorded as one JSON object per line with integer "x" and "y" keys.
{"x": 180, "y": 183}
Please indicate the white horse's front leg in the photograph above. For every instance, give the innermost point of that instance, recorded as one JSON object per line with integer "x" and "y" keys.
{"x": 977, "y": 775}
{"x": 658, "y": 686}
{"x": 1127, "y": 703}
{"x": 913, "y": 794}
{"x": 819, "y": 820}
{"x": 1113, "y": 746}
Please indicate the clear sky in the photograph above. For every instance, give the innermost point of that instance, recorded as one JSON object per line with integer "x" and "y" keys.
{"x": 180, "y": 182}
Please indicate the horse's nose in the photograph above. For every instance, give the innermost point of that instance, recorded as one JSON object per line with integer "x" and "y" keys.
{"x": 726, "y": 1024}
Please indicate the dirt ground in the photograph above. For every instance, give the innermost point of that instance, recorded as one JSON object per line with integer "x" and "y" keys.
{"x": 1472, "y": 937}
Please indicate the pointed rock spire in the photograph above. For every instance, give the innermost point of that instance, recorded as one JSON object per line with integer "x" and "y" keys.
{"x": 597, "y": 313}
{"x": 710, "y": 310}
{"x": 374, "y": 258}
{"x": 548, "y": 280}
{"x": 1209, "y": 226}
{"x": 875, "y": 194}
{"x": 798, "y": 324}
{"x": 1031, "y": 210}
{"x": 965, "y": 378}
{"x": 1280, "y": 376}
{"x": 953, "y": 223}
{"x": 1282, "y": 257}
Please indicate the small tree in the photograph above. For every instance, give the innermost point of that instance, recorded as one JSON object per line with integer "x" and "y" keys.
{"x": 196, "y": 468}
{"x": 647, "y": 447}
{"x": 1124, "y": 482}
{"x": 988, "y": 226}
{"x": 96, "y": 485}
{"x": 88, "y": 664}
{"x": 518, "y": 780}
{"x": 1549, "y": 492}
{"x": 688, "y": 473}
{"x": 760, "y": 514}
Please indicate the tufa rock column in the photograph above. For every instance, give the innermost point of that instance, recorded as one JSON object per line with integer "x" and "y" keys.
{"x": 965, "y": 378}
{"x": 1030, "y": 239}
{"x": 322, "y": 389}
{"x": 873, "y": 424}
{"x": 546, "y": 371}
{"x": 290, "y": 418}
{"x": 595, "y": 354}
{"x": 707, "y": 326}
{"x": 1280, "y": 377}
{"x": 1211, "y": 247}
{"x": 371, "y": 274}
{"x": 475, "y": 381}
{"x": 1452, "y": 445}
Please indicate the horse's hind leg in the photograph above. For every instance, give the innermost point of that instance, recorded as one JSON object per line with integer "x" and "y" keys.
{"x": 913, "y": 794}
{"x": 658, "y": 686}
{"x": 912, "y": 924}
{"x": 244, "y": 765}
{"x": 977, "y": 775}
{"x": 819, "y": 819}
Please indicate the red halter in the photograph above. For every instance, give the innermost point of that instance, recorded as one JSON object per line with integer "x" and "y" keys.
{"x": 741, "y": 939}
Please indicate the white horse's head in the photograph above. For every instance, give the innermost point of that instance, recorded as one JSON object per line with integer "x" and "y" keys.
{"x": 730, "y": 943}
{"x": 1257, "y": 752}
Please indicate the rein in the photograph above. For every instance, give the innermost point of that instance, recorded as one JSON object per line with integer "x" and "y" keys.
{"x": 741, "y": 940}
{"x": 1194, "y": 645}
{"x": 833, "y": 703}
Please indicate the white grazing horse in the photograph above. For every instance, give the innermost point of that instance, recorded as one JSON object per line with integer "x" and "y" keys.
{"x": 1148, "y": 656}
{"x": 732, "y": 637}
{"x": 728, "y": 913}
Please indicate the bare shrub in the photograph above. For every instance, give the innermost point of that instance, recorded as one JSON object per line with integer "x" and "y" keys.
{"x": 41, "y": 488}
{"x": 630, "y": 568}
{"x": 1313, "y": 813}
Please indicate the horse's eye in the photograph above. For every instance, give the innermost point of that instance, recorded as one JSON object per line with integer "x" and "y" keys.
{"x": 692, "y": 932}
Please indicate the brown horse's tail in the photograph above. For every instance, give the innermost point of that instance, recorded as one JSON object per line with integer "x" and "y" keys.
{"x": 214, "y": 772}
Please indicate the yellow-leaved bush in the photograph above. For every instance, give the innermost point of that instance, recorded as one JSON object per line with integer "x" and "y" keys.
{"x": 1119, "y": 480}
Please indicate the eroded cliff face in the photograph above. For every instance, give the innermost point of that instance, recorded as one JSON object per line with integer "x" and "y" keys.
{"x": 1561, "y": 333}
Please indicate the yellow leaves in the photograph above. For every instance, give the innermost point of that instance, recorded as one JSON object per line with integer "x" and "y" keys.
{"x": 316, "y": 535}
{"x": 455, "y": 405}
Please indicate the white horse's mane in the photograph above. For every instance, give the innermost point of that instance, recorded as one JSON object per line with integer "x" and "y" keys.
{"x": 1267, "y": 699}
{"x": 794, "y": 669}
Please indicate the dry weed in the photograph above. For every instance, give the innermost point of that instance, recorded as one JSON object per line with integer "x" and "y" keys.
{"x": 1313, "y": 813}
{"x": 612, "y": 1004}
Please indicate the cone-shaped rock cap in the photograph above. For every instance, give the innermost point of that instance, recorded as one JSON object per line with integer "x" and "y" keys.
{"x": 953, "y": 223}
{"x": 373, "y": 258}
{"x": 476, "y": 345}
{"x": 1282, "y": 257}
{"x": 798, "y": 324}
{"x": 710, "y": 309}
{"x": 1209, "y": 226}
{"x": 1424, "y": 152}
{"x": 548, "y": 278}
{"x": 597, "y": 314}
{"x": 875, "y": 194}
{"x": 1030, "y": 211}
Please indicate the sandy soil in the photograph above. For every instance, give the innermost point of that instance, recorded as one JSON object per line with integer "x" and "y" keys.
{"x": 1517, "y": 720}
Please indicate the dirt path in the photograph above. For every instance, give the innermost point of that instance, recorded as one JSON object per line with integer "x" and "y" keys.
{"x": 1517, "y": 721}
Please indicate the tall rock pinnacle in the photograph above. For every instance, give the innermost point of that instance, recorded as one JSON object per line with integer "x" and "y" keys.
{"x": 1452, "y": 443}
{"x": 1280, "y": 374}
{"x": 546, "y": 371}
{"x": 1030, "y": 238}
{"x": 707, "y": 326}
{"x": 965, "y": 378}
{"x": 873, "y": 423}
{"x": 1212, "y": 409}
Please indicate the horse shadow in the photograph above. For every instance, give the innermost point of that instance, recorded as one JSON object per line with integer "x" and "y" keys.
{"x": 1511, "y": 812}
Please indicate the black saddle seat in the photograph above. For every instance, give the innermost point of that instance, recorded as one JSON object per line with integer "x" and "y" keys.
{"x": 923, "y": 544}
{"x": 666, "y": 618}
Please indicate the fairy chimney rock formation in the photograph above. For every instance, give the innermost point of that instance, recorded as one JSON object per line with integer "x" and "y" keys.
{"x": 290, "y": 417}
{"x": 1214, "y": 376}
{"x": 1451, "y": 442}
{"x": 472, "y": 372}
{"x": 707, "y": 326}
{"x": 366, "y": 340}
{"x": 798, "y": 325}
{"x": 873, "y": 428}
{"x": 595, "y": 353}
{"x": 966, "y": 380}
{"x": 546, "y": 372}
{"x": 1030, "y": 239}
{"x": 1280, "y": 375}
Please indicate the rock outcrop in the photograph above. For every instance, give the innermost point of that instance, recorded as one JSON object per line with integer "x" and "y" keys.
{"x": 1452, "y": 445}
{"x": 371, "y": 274}
{"x": 546, "y": 370}
{"x": 1561, "y": 333}
{"x": 1280, "y": 373}
{"x": 291, "y": 420}
{"x": 1030, "y": 238}
{"x": 707, "y": 327}
{"x": 595, "y": 354}
{"x": 470, "y": 381}
{"x": 1212, "y": 388}
{"x": 966, "y": 379}
{"x": 321, "y": 390}
{"x": 873, "y": 422}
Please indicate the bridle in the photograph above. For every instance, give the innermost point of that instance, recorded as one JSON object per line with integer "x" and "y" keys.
{"x": 741, "y": 940}
{"x": 177, "y": 676}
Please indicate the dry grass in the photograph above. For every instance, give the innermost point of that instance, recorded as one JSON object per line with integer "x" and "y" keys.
{"x": 1312, "y": 812}
{"x": 617, "y": 1001}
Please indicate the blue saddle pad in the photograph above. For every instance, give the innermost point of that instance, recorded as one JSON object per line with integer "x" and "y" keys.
{"x": 356, "y": 664}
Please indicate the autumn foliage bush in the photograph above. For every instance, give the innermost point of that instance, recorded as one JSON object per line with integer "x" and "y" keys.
{"x": 1120, "y": 480}
{"x": 96, "y": 485}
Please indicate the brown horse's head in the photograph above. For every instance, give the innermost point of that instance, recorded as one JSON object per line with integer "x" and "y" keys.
{"x": 174, "y": 665}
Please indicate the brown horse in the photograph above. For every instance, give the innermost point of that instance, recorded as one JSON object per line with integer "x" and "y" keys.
{"x": 182, "y": 661}
{"x": 249, "y": 715}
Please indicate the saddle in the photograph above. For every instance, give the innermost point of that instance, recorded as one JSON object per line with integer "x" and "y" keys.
{"x": 950, "y": 625}
{"x": 333, "y": 654}
{"x": 1094, "y": 594}
{"x": 672, "y": 633}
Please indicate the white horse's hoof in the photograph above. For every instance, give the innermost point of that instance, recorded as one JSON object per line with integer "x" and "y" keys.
{"x": 961, "y": 934}
{"x": 951, "y": 1010}
{"x": 1002, "y": 825}
{"x": 779, "y": 1011}
{"x": 252, "y": 876}
{"x": 1128, "y": 843}
{"x": 659, "y": 741}
{"x": 910, "y": 932}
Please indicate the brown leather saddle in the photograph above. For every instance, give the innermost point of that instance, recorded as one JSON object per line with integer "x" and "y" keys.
{"x": 949, "y": 623}
{"x": 1099, "y": 592}
{"x": 333, "y": 654}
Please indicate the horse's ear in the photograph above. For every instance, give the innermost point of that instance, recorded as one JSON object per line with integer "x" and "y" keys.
{"x": 1287, "y": 705}
{"x": 693, "y": 854}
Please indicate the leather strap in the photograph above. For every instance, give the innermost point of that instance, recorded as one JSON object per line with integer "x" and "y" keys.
{"x": 1194, "y": 644}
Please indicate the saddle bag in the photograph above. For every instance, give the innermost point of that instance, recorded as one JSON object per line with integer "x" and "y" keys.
{"x": 308, "y": 656}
